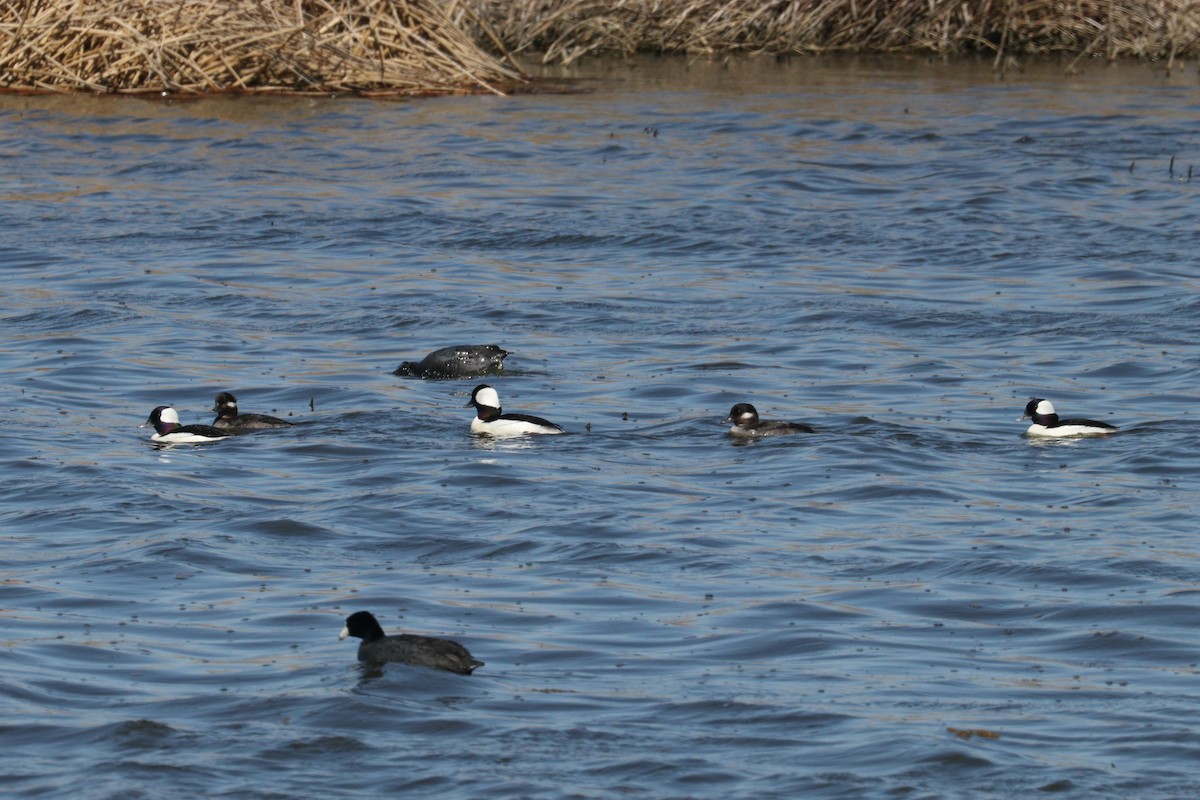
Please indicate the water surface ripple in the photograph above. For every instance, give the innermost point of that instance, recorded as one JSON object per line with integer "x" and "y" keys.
{"x": 915, "y": 601}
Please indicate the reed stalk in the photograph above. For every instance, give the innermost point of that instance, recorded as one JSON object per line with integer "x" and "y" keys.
{"x": 564, "y": 30}
{"x": 190, "y": 46}
{"x": 438, "y": 46}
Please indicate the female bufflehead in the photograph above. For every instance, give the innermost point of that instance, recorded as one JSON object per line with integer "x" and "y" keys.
{"x": 1047, "y": 423}
{"x": 228, "y": 418}
{"x": 746, "y": 423}
{"x": 406, "y": 648}
{"x": 167, "y": 429}
{"x": 459, "y": 361}
{"x": 489, "y": 420}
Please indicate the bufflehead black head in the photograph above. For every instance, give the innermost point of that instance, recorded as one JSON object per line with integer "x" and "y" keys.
{"x": 167, "y": 429}
{"x": 162, "y": 417}
{"x": 1040, "y": 411}
{"x": 746, "y": 423}
{"x": 743, "y": 415}
{"x": 228, "y": 418}
{"x": 486, "y": 400}
{"x": 459, "y": 361}
{"x": 489, "y": 418}
{"x": 1046, "y": 422}
{"x": 225, "y": 403}
{"x": 405, "y": 648}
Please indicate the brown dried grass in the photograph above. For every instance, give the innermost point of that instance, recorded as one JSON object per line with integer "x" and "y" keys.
{"x": 359, "y": 46}
{"x": 433, "y": 46}
{"x": 564, "y": 30}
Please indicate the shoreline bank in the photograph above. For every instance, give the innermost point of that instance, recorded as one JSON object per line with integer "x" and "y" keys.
{"x": 413, "y": 48}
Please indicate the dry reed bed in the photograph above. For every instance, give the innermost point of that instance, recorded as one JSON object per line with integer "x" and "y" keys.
{"x": 433, "y": 46}
{"x": 564, "y": 30}
{"x": 362, "y": 46}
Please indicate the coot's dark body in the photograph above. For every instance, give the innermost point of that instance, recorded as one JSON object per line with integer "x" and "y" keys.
{"x": 406, "y": 648}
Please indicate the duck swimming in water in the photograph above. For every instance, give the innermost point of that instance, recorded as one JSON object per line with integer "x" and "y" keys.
{"x": 746, "y": 423}
{"x": 406, "y": 648}
{"x": 168, "y": 430}
{"x": 1047, "y": 423}
{"x": 230, "y": 420}
{"x": 490, "y": 419}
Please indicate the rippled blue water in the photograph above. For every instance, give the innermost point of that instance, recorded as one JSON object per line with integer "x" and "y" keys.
{"x": 913, "y": 602}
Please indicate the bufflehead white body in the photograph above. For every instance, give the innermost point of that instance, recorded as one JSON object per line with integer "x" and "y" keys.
{"x": 490, "y": 420}
{"x": 228, "y": 418}
{"x": 1047, "y": 423}
{"x": 168, "y": 430}
{"x": 746, "y": 423}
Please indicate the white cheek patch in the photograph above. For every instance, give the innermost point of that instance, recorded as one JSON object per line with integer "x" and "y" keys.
{"x": 488, "y": 397}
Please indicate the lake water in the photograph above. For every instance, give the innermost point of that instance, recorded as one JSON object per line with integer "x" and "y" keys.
{"x": 915, "y": 601}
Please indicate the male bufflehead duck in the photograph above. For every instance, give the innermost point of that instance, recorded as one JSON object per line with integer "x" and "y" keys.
{"x": 459, "y": 361}
{"x": 746, "y": 423}
{"x": 489, "y": 420}
{"x": 406, "y": 648}
{"x": 1047, "y": 423}
{"x": 167, "y": 429}
{"x": 228, "y": 418}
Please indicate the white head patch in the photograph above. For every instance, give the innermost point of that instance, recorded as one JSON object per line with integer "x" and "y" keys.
{"x": 1045, "y": 407}
{"x": 487, "y": 396}
{"x": 169, "y": 415}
